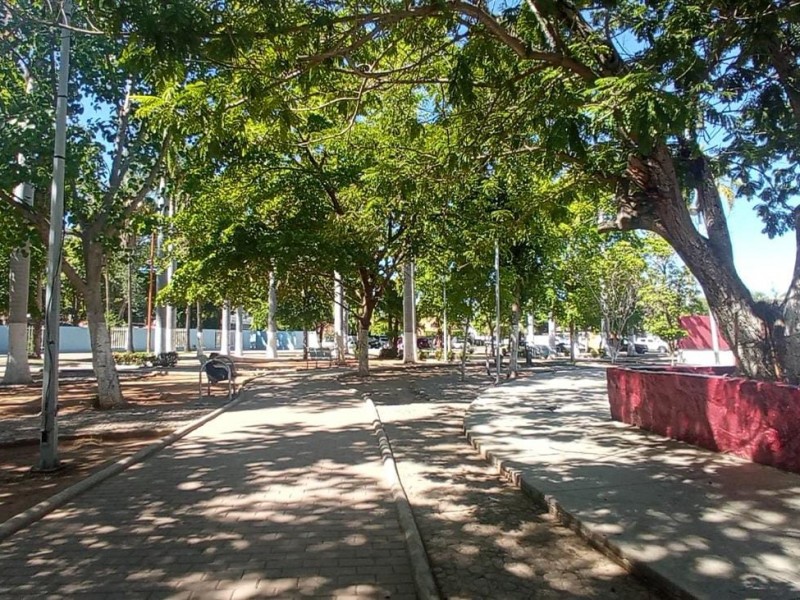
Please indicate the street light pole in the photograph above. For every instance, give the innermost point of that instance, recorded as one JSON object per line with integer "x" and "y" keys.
{"x": 48, "y": 440}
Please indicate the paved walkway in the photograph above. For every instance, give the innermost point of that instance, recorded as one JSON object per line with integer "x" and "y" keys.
{"x": 710, "y": 525}
{"x": 485, "y": 539}
{"x": 281, "y": 496}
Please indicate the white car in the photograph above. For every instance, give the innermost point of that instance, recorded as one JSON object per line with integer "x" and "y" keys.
{"x": 653, "y": 343}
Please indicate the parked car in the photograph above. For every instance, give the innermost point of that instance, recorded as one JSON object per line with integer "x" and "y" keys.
{"x": 653, "y": 344}
{"x": 540, "y": 351}
{"x": 458, "y": 344}
{"x": 424, "y": 343}
{"x": 562, "y": 348}
{"x": 639, "y": 348}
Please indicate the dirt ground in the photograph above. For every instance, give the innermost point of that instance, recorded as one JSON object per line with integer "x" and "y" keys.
{"x": 22, "y": 488}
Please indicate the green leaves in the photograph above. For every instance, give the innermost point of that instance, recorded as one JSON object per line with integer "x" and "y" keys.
{"x": 637, "y": 103}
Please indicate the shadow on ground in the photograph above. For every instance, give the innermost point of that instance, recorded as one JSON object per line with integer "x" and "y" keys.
{"x": 485, "y": 538}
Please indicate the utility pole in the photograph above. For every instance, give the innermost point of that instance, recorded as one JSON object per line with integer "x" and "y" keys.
{"x": 48, "y": 441}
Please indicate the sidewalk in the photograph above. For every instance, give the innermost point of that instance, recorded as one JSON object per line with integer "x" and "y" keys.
{"x": 701, "y": 524}
{"x": 280, "y": 496}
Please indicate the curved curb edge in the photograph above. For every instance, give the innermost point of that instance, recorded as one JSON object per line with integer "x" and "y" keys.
{"x": 43, "y": 508}
{"x": 424, "y": 582}
{"x": 598, "y": 541}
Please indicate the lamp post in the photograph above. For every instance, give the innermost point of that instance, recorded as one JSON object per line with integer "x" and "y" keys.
{"x": 48, "y": 440}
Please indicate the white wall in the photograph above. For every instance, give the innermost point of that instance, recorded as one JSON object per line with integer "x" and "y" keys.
{"x": 76, "y": 339}
{"x": 704, "y": 358}
{"x": 71, "y": 339}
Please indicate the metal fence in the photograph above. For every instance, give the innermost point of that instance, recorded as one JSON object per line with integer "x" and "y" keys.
{"x": 119, "y": 340}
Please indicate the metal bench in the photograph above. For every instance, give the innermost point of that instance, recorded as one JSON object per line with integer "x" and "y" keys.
{"x": 217, "y": 368}
{"x": 320, "y": 354}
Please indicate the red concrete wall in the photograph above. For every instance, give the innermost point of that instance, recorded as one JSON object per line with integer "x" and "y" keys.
{"x": 756, "y": 420}
{"x": 698, "y": 334}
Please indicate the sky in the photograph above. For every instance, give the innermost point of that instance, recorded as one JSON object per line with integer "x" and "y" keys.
{"x": 764, "y": 265}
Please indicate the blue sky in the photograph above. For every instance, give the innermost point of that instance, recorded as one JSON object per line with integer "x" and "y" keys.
{"x": 764, "y": 265}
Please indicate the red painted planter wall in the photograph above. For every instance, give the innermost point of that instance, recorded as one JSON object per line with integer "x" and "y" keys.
{"x": 756, "y": 420}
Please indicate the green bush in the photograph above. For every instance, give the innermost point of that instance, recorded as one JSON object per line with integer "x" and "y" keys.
{"x": 422, "y": 355}
{"x": 133, "y": 358}
{"x": 387, "y": 353}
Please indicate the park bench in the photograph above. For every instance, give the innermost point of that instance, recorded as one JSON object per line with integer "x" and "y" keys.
{"x": 217, "y": 368}
{"x": 320, "y": 354}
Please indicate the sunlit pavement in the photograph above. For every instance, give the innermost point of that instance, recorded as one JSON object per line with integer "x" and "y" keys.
{"x": 484, "y": 537}
{"x": 282, "y": 496}
{"x": 712, "y": 525}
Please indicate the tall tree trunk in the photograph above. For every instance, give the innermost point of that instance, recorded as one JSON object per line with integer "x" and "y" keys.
{"x": 225, "y": 329}
{"x": 129, "y": 347}
{"x": 513, "y": 363}
{"x": 187, "y": 328}
{"x": 199, "y": 329}
{"x": 109, "y": 394}
{"x": 150, "y": 284}
{"x": 652, "y": 199}
{"x": 409, "y": 314}
{"x": 790, "y": 309}
{"x": 238, "y": 341}
{"x": 572, "y": 341}
{"x": 364, "y": 324}
{"x": 463, "y": 374}
{"x": 38, "y": 322}
{"x": 272, "y": 328}
{"x": 340, "y": 342}
{"x": 107, "y": 285}
{"x": 17, "y": 367}
{"x": 363, "y": 347}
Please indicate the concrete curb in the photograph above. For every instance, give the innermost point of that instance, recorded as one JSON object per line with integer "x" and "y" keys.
{"x": 424, "y": 582}
{"x": 598, "y": 541}
{"x": 40, "y": 510}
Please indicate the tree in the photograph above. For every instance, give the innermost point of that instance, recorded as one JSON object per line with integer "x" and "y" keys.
{"x": 668, "y": 293}
{"x": 615, "y": 281}
{"x": 114, "y": 161}
{"x": 556, "y": 80}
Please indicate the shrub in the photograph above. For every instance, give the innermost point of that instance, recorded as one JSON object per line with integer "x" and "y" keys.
{"x": 387, "y": 353}
{"x": 133, "y": 358}
{"x": 165, "y": 359}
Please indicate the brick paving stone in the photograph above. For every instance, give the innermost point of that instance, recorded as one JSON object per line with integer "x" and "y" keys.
{"x": 484, "y": 537}
{"x": 281, "y": 496}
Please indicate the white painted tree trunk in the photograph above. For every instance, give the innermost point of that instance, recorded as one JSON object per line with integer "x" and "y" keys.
{"x": 445, "y": 329}
{"x": 129, "y": 303}
{"x": 225, "y": 329}
{"x": 531, "y": 332}
{"x": 171, "y": 322}
{"x": 409, "y": 315}
{"x": 18, "y": 370}
{"x": 109, "y": 394}
{"x": 238, "y": 349}
{"x": 272, "y": 329}
{"x": 513, "y": 363}
{"x": 199, "y": 328}
{"x": 338, "y": 319}
{"x": 171, "y": 312}
{"x": 551, "y": 332}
